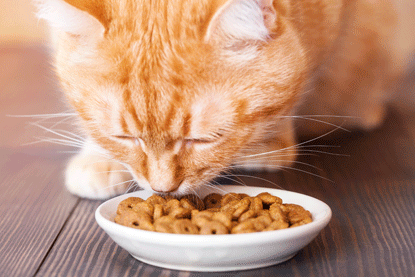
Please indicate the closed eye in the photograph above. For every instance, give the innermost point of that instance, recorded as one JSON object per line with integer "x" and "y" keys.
{"x": 130, "y": 139}
{"x": 124, "y": 137}
{"x": 199, "y": 140}
{"x": 202, "y": 140}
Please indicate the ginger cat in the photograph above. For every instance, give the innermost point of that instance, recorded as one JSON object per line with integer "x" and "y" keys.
{"x": 178, "y": 91}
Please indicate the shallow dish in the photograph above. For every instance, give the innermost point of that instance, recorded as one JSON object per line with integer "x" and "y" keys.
{"x": 216, "y": 252}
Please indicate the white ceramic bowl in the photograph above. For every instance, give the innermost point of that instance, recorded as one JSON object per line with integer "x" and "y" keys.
{"x": 216, "y": 252}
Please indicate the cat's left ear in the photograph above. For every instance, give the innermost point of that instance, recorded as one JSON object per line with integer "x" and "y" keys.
{"x": 243, "y": 20}
{"x": 84, "y": 18}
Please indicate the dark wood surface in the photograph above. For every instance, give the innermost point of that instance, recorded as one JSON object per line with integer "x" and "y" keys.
{"x": 368, "y": 179}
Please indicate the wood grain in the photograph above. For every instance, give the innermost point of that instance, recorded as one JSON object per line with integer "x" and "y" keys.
{"x": 33, "y": 208}
{"x": 368, "y": 179}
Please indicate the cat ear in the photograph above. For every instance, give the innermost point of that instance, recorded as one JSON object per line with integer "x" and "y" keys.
{"x": 76, "y": 17}
{"x": 242, "y": 20}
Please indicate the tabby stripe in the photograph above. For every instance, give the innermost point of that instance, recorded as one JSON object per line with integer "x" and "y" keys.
{"x": 241, "y": 110}
{"x": 172, "y": 111}
{"x": 178, "y": 169}
{"x": 144, "y": 167}
{"x": 186, "y": 125}
{"x": 124, "y": 125}
{"x": 131, "y": 109}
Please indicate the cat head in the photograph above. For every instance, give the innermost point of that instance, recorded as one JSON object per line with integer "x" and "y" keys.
{"x": 177, "y": 90}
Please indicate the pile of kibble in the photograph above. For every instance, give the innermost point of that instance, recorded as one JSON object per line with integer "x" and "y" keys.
{"x": 232, "y": 213}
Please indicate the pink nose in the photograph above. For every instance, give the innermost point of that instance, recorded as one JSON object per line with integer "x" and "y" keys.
{"x": 164, "y": 191}
{"x": 165, "y": 188}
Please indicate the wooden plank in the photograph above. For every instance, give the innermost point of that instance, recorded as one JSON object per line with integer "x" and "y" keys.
{"x": 33, "y": 208}
{"x": 84, "y": 250}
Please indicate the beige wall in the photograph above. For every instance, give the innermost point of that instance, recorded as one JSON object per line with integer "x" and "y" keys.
{"x": 18, "y": 23}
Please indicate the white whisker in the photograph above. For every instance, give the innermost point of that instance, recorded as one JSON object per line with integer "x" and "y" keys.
{"x": 319, "y": 121}
{"x": 131, "y": 186}
{"x": 117, "y": 184}
{"x": 258, "y": 178}
{"x": 215, "y": 187}
{"x": 53, "y": 132}
{"x": 228, "y": 178}
{"x": 306, "y": 172}
{"x": 294, "y": 162}
{"x": 293, "y": 146}
{"x": 55, "y": 141}
{"x": 43, "y": 115}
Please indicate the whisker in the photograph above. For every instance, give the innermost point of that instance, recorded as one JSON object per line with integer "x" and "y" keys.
{"x": 52, "y": 131}
{"x": 55, "y": 141}
{"x": 113, "y": 171}
{"x": 322, "y": 115}
{"x": 68, "y": 152}
{"x": 307, "y": 172}
{"x": 55, "y": 115}
{"x": 215, "y": 187}
{"x": 320, "y": 145}
{"x": 131, "y": 186}
{"x": 326, "y": 153}
{"x": 58, "y": 122}
{"x": 296, "y": 162}
{"x": 236, "y": 181}
{"x": 73, "y": 134}
{"x": 293, "y": 146}
{"x": 117, "y": 184}
{"x": 64, "y": 142}
{"x": 258, "y": 178}
{"x": 319, "y": 121}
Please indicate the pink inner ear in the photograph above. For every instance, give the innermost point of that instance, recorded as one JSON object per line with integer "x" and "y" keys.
{"x": 242, "y": 20}
{"x": 270, "y": 15}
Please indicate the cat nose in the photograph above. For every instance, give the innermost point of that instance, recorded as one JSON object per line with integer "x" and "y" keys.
{"x": 166, "y": 188}
{"x": 163, "y": 191}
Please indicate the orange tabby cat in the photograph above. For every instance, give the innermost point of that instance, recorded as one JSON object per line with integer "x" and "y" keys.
{"x": 177, "y": 91}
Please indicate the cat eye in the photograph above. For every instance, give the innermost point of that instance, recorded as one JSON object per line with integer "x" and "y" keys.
{"x": 203, "y": 141}
{"x": 198, "y": 140}
{"x": 188, "y": 142}
{"x": 135, "y": 140}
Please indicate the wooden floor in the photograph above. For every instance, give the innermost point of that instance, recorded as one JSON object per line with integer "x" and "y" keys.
{"x": 368, "y": 179}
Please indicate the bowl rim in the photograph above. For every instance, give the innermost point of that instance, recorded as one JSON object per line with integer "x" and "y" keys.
{"x": 256, "y": 238}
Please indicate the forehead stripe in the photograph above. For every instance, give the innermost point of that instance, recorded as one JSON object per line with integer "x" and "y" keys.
{"x": 186, "y": 125}
{"x": 131, "y": 109}
{"x": 144, "y": 167}
{"x": 174, "y": 105}
{"x": 124, "y": 125}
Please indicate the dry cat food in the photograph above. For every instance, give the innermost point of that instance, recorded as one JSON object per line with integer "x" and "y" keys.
{"x": 231, "y": 213}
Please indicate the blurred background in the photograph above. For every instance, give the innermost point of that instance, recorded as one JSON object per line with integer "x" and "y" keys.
{"x": 28, "y": 85}
{"x": 19, "y": 25}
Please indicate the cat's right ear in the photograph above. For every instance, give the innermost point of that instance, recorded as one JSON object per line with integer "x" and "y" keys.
{"x": 85, "y": 18}
{"x": 242, "y": 20}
